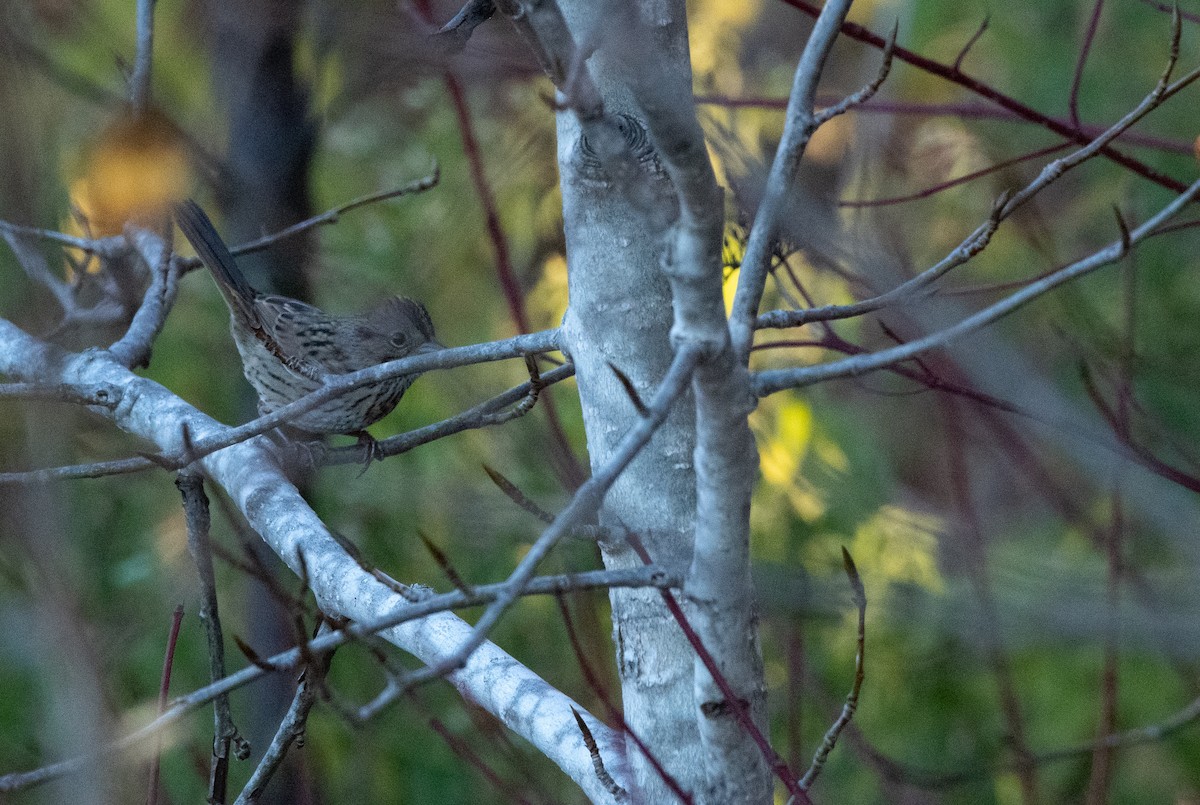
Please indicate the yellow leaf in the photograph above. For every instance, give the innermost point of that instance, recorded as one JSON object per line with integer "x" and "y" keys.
{"x": 135, "y": 170}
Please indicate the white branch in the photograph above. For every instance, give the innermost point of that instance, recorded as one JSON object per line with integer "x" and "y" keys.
{"x": 274, "y": 508}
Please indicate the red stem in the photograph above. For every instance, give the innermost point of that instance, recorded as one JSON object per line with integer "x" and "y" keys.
{"x": 164, "y": 687}
{"x": 778, "y": 765}
{"x": 1076, "y": 80}
{"x": 962, "y": 111}
{"x": 955, "y": 182}
{"x": 862, "y": 34}
{"x": 614, "y": 712}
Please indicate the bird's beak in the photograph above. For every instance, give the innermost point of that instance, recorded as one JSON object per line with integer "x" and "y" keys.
{"x": 430, "y": 346}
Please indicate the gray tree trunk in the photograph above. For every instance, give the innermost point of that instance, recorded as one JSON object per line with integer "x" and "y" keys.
{"x": 628, "y": 304}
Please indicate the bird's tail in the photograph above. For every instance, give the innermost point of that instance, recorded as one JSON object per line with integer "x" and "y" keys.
{"x": 213, "y": 252}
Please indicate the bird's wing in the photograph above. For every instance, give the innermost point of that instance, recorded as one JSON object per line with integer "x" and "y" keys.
{"x": 299, "y": 335}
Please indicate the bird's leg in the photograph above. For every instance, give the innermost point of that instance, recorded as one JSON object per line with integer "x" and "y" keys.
{"x": 300, "y": 453}
{"x": 370, "y": 446}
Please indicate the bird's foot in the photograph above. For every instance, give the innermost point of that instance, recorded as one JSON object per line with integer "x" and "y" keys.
{"x": 370, "y": 447}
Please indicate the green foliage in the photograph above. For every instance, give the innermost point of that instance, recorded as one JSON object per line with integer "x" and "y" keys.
{"x": 1006, "y": 589}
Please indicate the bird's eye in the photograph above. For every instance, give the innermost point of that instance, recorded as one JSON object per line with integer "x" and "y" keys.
{"x": 399, "y": 340}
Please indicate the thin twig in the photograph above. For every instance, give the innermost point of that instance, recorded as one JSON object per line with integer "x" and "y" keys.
{"x": 467, "y": 753}
{"x": 1084, "y": 50}
{"x": 164, "y": 687}
{"x": 798, "y": 128}
{"x": 952, "y": 183}
{"x": 868, "y": 91}
{"x": 739, "y": 706}
{"x": 1062, "y": 128}
{"x": 195, "y": 507}
{"x": 1103, "y": 758}
{"x": 975, "y": 37}
{"x": 112, "y": 246}
{"x": 134, "y": 347}
{"x": 582, "y": 505}
{"x": 443, "y": 561}
{"x": 563, "y": 460}
{"x": 831, "y": 735}
{"x": 487, "y": 414}
{"x": 293, "y": 658}
{"x": 514, "y": 493}
{"x": 332, "y": 215}
{"x": 614, "y": 712}
{"x": 1137, "y": 451}
{"x": 771, "y": 381}
{"x": 335, "y": 386}
{"x": 1003, "y": 208}
{"x": 118, "y": 246}
{"x": 619, "y": 794}
{"x": 458, "y": 30}
{"x": 960, "y": 111}
{"x": 291, "y": 728}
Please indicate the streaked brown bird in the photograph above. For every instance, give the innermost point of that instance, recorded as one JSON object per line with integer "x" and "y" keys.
{"x": 287, "y": 347}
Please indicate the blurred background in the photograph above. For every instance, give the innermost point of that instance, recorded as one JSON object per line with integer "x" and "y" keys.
{"x": 1031, "y": 584}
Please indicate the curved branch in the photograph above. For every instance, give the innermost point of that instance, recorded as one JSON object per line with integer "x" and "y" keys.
{"x": 274, "y": 508}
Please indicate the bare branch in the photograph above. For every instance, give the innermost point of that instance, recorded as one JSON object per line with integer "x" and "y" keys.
{"x": 618, "y": 793}
{"x": 630, "y": 389}
{"x": 798, "y": 128}
{"x": 959, "y": 111}
{"x": 276, "y": 510}
{"x": 1060, "y": 127}
{"x": 955, "y": 182}
{"x": 163, "y": 689}
{"x": 1003, "y": 208}
{"x": 336, "y": 385}
{"x": 975, "y": 37}
{"x": 517, "y": 496}
{"x": 444, "y": 563}
{"x": 458, "y": 30}
{"x": 139, "y": 82}
{"x": 732, "y": 703}
{"x": 133, "y": 349}
{"x": 1077, "y": 79}
{"x": 195, "y": 507}
{"x": 104, "y": 395}
{"x": 114, "y": 246}
{"x": 584, "y": 503}
{"x": 776, "y": 380}
{"x": 332, "y": 215}
{"x": 867, "y": 92}
{"x": 293, "y": 658}
{"x": 291, "y": 728}
{"x": 831, "y": 736}
{"x": 613, "y": 711}
{"x": 486, "y": 414}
